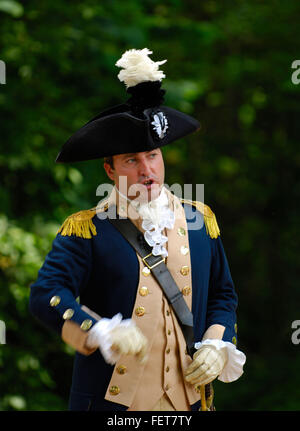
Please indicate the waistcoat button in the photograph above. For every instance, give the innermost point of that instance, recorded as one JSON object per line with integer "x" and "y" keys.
{"x": 186, "y": 290}
{"x": 181, "y": 231}
{"x": 140, "y": 311}
{"x": 114, "y": 390}
{"x": 121, "y": 369}
{"x": 184, "y": 270}
{"x": 184, "y": 250}
{"x": 146, "y": 271}
{"x": 143, "y": 291}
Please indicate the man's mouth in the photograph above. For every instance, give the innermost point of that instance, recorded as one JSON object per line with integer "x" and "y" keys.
{"x": 148, "y": 183}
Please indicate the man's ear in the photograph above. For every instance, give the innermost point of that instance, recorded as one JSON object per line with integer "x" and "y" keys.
{"x": 109, "y": 171}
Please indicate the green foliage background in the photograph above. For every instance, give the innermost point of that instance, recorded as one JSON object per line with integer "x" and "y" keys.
{"x": 229, "y": 65}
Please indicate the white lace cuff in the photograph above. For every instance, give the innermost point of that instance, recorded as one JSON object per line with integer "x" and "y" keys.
{"x": 236, "y": 359}
{"x": 99, "y": 336}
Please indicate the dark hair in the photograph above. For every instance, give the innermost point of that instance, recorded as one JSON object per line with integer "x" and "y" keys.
{"x": 109, "y": 160}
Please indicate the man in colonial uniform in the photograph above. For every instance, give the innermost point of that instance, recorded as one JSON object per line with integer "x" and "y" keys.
{"x": 105, "y": 298}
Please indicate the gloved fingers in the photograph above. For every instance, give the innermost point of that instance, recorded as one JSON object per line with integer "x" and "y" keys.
{"x": 137, "y": 341}
{"x": 202, "y": 369}
{"x": 126, "y": 343}
{"x": 121, "y": 346}
{"x": 204, "y": 377}
{"x": 206, "y": 374}
{"x": 198, "y": 359}
{"x": 117, "y": 340}
{"x": 195, "y": 369}
{"x": 202, "y": 352}
{"x": 129, "y": 341}
{"x": 201, "y": 372}
{"x": 204, "y": 380}
{"x": 217, "y": 361}
{"x": 208, "y": 363}
{"x": 115, "y": 348}
{"x": 201, "y": 357}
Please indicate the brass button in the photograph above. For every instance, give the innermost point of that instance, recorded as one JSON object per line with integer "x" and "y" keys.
{"x": 181, "y": 231}
{"x": 114, "y": 390}
{"x": 140, "y": 311}
{"x": 86, "y": 324}
{"x": 184, "y": 270}
{"x": 234, "y": 340}
{"x": 146, "y": 271}
{"x": 68, "y": 314}
{"x": 184, "y": 250}
{"x": 121, "y": 369}
{"x": 143, "y": 291}
{"x": 54, "y": 301}
{"x": 168, "y": 313}
{"x": 168, "y": 350}
{"x": 235, "y": 328}
{"x": 167, "y": 387}
{"x": 169, "y": 332}
{"x": 186, "y": 290}
{"x": 167, "y": 369}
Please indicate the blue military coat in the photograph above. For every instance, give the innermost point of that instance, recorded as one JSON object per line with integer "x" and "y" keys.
{"x": 103, "y": 271}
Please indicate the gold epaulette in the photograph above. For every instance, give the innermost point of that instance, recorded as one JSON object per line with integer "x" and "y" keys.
{"x": 210, "y": 220}
{"x": 79, "y": 224}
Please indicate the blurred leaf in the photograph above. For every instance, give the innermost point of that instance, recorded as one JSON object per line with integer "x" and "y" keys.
{"x": 12, "y": 7}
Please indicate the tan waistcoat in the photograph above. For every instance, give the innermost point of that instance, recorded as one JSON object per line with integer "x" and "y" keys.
{"x": 139, "y": 386}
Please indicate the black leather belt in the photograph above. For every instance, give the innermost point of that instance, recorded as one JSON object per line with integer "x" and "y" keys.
{"x": 162, "y": 275}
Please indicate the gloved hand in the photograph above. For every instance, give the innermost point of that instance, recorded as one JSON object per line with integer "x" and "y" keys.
{"x": 129, "y": 341}
{"x": 116, "y": 337}
{"x": 208, "y": 363}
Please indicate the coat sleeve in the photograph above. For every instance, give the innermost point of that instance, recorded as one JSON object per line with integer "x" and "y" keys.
{"x": 60, "y": 280}
{"x": 222, "y": 298}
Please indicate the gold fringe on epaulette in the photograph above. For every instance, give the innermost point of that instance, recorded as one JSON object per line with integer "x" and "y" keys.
{"x": 210, "y": 220}
{"x": 211, "y": 225}
{"x": 79, "y": 224}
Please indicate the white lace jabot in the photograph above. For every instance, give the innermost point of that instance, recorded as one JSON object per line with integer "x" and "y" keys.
{"x": 156, "y": 216}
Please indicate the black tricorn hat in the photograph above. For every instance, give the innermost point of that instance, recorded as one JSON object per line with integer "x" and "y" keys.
{"x": 142, "y": 123}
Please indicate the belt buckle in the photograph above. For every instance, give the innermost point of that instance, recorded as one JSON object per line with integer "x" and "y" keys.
{"x": 152, "y": 266}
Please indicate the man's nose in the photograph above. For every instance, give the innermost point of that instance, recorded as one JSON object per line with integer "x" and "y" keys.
{"x": 144, "y": 168}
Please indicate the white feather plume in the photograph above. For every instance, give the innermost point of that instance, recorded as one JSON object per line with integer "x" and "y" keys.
{"x": 138, "y": 67}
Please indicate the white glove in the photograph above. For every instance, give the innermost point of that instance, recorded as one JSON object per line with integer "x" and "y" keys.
{"x": 129, "y": 341}
{"x": 208, "y": 363}
{"x": 116, "y": 337}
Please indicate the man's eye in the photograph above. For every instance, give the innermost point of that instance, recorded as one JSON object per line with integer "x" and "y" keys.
{"x": 130, "y": 160}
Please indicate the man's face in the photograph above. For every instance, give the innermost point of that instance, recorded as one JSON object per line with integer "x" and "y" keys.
{"x": 144, "y": 174}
